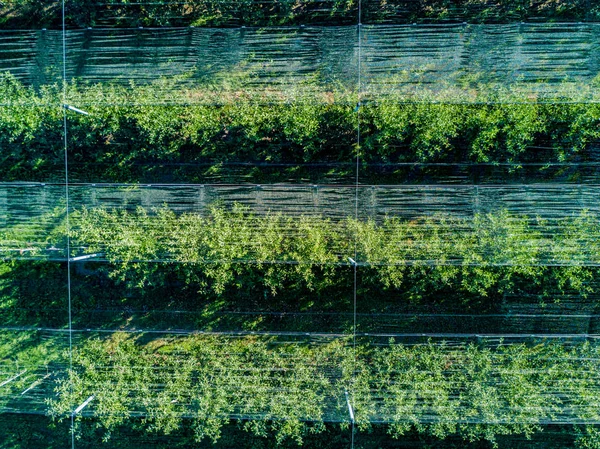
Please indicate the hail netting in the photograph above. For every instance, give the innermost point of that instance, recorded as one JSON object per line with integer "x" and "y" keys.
{"x": 409, "y": 63}
{"x": 236, "y": 250}
{"x": 557, "y": 222}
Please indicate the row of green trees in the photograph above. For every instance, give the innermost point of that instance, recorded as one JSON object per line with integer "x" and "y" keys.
{"x": 440, "y": 250}
{"x": 133, "y": 127}
{"x": 238, "y": 257}
{"x": 291, "y": 389}
{"x": 460, "y": 260}
{"x": 83, "y": 13}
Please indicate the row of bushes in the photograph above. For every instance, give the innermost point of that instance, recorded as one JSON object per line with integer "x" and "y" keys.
{"x": 128, "y": 128}
{"x": 447, "y": 248}
{"x": 217, "y": 13}
{"x": 291, "y": 389}
{"x": 462, "y": 260}
{"x": 19, "y": 431}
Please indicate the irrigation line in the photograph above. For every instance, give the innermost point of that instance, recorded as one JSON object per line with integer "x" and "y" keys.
{"x": 13, "y": 378}
{"x": 83, "y": 405}
{"x": 35, "y": 384}
{"x": 304, "y": 334}
{"x": 459, "y": 23}
{"x": 399, "y": 263}
{"x": 307, "y": 187}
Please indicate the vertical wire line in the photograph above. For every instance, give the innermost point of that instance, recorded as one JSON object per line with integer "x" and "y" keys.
{"x": 67, "y": 224}
{"x": 358, "y": 106}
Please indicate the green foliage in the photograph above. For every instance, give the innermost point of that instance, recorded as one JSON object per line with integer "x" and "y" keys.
{"x": 216, "y": 13}
{"x": 277, "y": 387}
{"x": 30, "y": 135}
{"x": 215, "y": 249}
{"x": 288, "y": 389}
{"x": 478, "y": 392}
{"x": 589, "y": 437}
{"x": 477, "y": 11}
{"x": 472, "y": 263}
{"x": 487, "y": 256}
{"x": 464, "y": 260}
{"x": 133, "y": 129}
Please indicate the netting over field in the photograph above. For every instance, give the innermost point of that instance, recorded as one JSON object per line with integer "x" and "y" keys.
{"x": 300, "y": 219}
{"x": 425, "y": 63}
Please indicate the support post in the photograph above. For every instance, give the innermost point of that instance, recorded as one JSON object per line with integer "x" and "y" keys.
{"x": 13, "y": 378}
{"x": 84, "y": 405}
{"x": 36, "y": 383}
{"x": 350, "y": 410}
{"x": 77, "y": 110}
{"x": 87, "y": 256}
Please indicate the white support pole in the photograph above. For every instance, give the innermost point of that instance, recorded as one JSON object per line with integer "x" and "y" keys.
{"x": 84, "y": 405}
{"x": 13, "y": 378}
{"x": 350, "y": 411}
{"x": 352, "y": 261}
{"x": 74, "y": 109}
{"x": 36, "y": 383}
{"x": 87, "y": 256}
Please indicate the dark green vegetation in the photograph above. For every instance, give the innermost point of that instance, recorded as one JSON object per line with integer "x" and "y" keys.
{"x": 288, "y": 390}
{"x": 232, "y": 327}
{"x": 229, "y": 260}
{"x": 218, "y": 13}
{"x": 19, "y": 431}
{"x": 485, "y": 256}
{"x": 127, "y": 137}
{"x": 438, "y": 251}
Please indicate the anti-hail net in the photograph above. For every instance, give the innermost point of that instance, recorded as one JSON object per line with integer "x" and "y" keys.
{"x": 456, "y": 63}
{"x": 297, "y": 213}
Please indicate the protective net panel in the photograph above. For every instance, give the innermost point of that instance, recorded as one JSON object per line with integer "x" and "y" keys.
{"x": 316, "y": 223}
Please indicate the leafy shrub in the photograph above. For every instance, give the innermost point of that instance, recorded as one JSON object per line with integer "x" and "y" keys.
{"x": 133, "y": 130}
{"x": 288, "y": 389}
